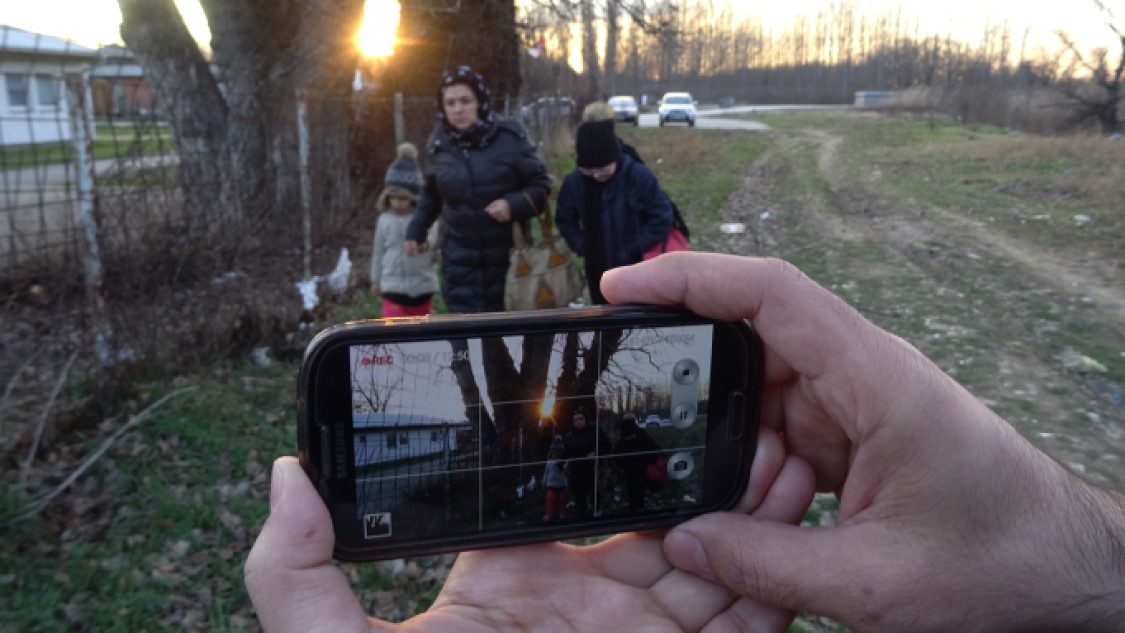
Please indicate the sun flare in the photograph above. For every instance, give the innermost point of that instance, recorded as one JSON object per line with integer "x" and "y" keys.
{"x": 376, "y": 36}
{"x": 547, "y": 406}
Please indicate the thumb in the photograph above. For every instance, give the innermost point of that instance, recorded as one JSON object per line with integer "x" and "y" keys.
{"x": 824, "y": 571}
{"x": 289, "y": 573}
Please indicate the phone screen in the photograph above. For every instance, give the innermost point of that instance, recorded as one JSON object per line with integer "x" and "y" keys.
{"x": 454, "y": 437}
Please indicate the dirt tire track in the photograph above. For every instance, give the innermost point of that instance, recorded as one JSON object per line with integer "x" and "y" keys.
{"x": 850, "y": 213}
{"x": 1048, "y": 270}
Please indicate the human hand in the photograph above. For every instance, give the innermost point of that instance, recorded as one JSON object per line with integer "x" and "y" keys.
{"x": 948, "y": 520}
{"x": 624, "y": 583}
{"x": 499, "y": 210}
{"x": 411, "y": 248}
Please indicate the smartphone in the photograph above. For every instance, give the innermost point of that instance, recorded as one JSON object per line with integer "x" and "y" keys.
{"x": 447, "y": 433}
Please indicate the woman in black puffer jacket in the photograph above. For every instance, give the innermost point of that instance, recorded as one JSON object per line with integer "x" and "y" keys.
{"x": 482, "y": 174}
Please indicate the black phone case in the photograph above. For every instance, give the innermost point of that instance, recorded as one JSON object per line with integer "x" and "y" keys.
{"x": 316, "y": 446}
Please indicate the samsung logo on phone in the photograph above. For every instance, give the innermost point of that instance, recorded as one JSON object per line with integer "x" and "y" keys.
{"x": 341, "y": 453}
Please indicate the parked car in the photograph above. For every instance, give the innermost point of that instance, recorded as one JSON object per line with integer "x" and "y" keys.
{"x": 654, "y": 420}
{"x": 549, "y": 107}
{"x": 625, "y": 108}
{"x": 677, "y": 106}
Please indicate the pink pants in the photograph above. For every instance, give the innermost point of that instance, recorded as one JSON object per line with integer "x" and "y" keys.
{"x": 556, "y": 502}
{"x": 392, "y": 309}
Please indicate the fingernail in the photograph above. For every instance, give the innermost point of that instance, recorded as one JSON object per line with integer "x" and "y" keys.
{"x": 686, "y": 552}
{"x": 277, "y": 480}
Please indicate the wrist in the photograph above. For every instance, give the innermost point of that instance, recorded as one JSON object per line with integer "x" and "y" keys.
{"x": 1097, "y": 559}
{"x": 1076, "y": 569}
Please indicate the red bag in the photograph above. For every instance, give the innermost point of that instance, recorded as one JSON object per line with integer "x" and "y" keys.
{"x": 675, "y": 242}
{"x": 657, "y": 472}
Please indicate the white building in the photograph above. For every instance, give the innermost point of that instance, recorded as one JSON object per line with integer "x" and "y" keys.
{"x": 383, "y": 438}
{"x": 33, "y": 104}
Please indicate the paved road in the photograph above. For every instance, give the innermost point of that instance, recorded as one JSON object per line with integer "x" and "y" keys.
{"x": 714, "y": 119}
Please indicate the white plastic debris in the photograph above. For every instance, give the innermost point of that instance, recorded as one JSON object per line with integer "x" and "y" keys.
{"x": 261, "y": 356}
{"x": 339, "y": 277}
{"x": 1080, "y": 363}
{"x": 228, "y": 277}
{"x": 307, "y": 288}
{"x": 765, "y": 215}
{"x": 1081, "y": 219}
{"x": 337, "y": 281}
{"x": 732, "y": 228}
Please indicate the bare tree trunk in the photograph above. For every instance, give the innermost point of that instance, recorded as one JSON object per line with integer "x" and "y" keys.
{"x": 435, "y": 36}
{"x": 612, "y": 33}
{"x": 590, "y": 66}
{"x": 327, "y": 58}
{"x": 595, "y": 358}
{"x": 475, "y": 412}
{"x": 186, "y": 92}
{"x": 249, "y": 40}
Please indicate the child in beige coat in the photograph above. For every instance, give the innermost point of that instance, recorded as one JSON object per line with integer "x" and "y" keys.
{"x": 407, "y": 283}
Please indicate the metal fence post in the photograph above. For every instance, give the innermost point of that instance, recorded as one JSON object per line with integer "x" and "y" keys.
{"x": 306, "y": 185}
{"x": 400, "y": 121}
{"x": 87, "y": 215}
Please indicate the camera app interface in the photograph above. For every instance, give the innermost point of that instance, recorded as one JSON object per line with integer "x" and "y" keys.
{"x": 452, "y": 437}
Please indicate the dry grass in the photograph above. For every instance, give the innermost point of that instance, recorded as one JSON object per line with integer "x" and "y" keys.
{"x": 1037, "y": 111}
{"x": 1087, "y": 163}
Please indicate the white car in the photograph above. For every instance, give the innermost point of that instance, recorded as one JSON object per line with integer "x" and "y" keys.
{"x": 625, "y": 108}
{"x": 654, "y": 420}
{"x": 677, "y": 106}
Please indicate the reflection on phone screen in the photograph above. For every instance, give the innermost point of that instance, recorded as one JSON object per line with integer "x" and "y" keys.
{"x": 457, "y": 436}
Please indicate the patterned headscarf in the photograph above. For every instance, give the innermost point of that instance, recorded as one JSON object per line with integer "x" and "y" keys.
{"x": 480, "y": 132}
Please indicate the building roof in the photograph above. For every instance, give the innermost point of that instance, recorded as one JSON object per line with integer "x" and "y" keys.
{"x": 13, "y": 40}
{"x": 383, "y": 420}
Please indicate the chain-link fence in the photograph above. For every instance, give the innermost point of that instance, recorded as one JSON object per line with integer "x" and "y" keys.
{"x": 107, "y": 256}
{"x": 126, "y": 239}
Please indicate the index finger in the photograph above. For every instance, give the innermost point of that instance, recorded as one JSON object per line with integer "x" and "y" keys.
{"x": 803, "y": 325}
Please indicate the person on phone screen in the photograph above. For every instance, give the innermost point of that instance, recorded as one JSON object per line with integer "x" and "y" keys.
{"x": 482, "y": 174}
{"x": 406, "y": 282}
{"x": 581, "y": 445}
{"x": 949, "y": 520}
{"x": 555, "y": 481}
{"x": 611, "y": 208}
{"x": 635, "y": 451}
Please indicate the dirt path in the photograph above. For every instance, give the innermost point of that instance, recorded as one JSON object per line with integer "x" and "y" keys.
{"x": 978, "y": 302}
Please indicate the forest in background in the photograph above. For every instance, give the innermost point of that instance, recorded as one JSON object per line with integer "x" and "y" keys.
{"x": 725, "y": 55}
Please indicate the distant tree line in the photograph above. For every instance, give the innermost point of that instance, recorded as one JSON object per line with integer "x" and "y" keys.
{"x": 237, "y": 130}
{"x": 715, "y": 52}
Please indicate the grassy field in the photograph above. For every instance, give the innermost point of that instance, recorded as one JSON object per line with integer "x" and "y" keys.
{"x": 110, "y": 141}
{"x": 962, "y": 240}
{"x": 996, "y": 254}
{"x": 173, "y": 506}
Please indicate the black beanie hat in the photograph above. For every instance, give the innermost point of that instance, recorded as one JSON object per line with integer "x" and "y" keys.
{"x": 596, "y": 144}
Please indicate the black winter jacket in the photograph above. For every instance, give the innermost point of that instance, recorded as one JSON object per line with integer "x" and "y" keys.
{"x": 636, "y": 213}
{"x": 458, "y": 185}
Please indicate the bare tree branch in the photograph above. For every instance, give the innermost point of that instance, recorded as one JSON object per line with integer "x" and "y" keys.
{"x": 46, "y": 412}
{"x": 42, "y": 502}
